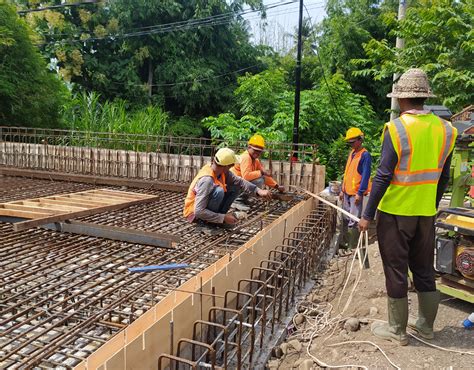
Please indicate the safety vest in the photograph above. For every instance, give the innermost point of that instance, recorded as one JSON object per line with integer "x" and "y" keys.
{"x": 191, "y": 196}
{"x": 423, "y": 142}
{"x": 352, "y": 177}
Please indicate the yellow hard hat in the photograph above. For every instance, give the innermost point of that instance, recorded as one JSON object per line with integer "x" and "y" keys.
{"x": 257, "y": 141}
{"x": 225, "y": 157}
{"x": 353, "y": 133}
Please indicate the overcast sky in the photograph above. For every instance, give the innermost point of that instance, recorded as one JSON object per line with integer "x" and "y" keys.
{"x": 282, "y": 20}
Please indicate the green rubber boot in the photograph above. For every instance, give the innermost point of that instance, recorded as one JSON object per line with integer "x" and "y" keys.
{"x": 428, "y": 303}
{"x": 395, "y": 330}
{"x": 353, "y": 238}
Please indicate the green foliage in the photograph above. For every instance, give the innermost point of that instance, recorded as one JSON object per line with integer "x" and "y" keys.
{"x": 85, "y": 112}
{"x": 189, "y": 69}
{"x": 439, "y": 39}
{"x": 320, "y": 121}
{"x": 185, "y": 127}
{"x": 29, "y": 94}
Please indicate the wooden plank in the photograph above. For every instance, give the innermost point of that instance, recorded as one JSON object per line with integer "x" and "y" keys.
{"x": 56, "y": 218}
{"x": 53, "y": 207}
{"x": 23, "y": 214}
{"x": 80, "y": 197}
{"x": 97, "y": 180}
{"x": 60, "y": 202}
{"x": 115, "y": 233}
{"x": 27, "y": 208}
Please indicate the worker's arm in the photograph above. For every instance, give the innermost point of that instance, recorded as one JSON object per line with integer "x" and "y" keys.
{"x": 247, "y": 186}
{"x": 364, "y": 169}
{"x": 443, "y": 180}
{"x": 203, "y": 189}
{"x": 381, "y": 181}
{"x": 247, "y": 169}
{"x": 269, "y": 181}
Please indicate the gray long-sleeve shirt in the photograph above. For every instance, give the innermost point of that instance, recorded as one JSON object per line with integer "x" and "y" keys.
{"x": 383, "y": 177}
{"x": 206, "y": 185}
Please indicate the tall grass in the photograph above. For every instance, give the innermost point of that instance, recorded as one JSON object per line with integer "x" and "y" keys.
{"x": 86, "y": 112}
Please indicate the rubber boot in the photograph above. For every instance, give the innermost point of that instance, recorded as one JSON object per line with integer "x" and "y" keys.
{"x": 395, "y": 330}
{"x": 428, "y": 303}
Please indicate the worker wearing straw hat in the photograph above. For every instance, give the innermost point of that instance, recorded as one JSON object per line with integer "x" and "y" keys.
{"x": 215, "y": 188}
{"x": 407, "y": 188}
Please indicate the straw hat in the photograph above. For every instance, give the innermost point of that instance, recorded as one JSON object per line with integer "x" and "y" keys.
{"x": 412, "y": 84}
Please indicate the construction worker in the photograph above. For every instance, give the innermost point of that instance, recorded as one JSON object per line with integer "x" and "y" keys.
{"x": 213, "y": 190}
{"x": 408, "y": 186}
{"x": 250, "y": 168}
{"x": 356, "y": 184}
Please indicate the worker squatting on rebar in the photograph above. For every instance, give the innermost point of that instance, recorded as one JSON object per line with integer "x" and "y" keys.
{"x": 251, "y": 169}
{"x": 215, "y": 188}
{"x": 407, "y": 188}
{"x": 356, "y": 184}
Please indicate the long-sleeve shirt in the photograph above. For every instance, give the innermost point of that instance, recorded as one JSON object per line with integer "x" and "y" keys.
{"x": 203, "y": 189}
{"x": 364, "y": 168}
{"x": 251, "y": 169}
{"x": 385, "y": 171}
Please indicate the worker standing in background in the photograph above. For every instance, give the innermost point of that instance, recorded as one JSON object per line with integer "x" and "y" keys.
{"x": 250, "y": 168}
{"x": 214, "y": 188}
{"x": 356, "y": 183}
{"x": 408, "y": 186}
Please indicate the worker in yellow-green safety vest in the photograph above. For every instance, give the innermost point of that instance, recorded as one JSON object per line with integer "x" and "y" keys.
{"x": 407, "y": 188}
{"x": 355, "y": 185}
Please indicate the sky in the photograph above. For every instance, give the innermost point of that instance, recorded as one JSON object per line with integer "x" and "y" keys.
{"x": 282, "y": 21}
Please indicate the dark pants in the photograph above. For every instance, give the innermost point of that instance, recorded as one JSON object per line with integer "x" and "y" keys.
{"x": 406, "y": 242}
{"x": 220, "y": 201}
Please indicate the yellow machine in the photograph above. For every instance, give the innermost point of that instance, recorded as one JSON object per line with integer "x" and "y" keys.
{"x": 454, "y": 259}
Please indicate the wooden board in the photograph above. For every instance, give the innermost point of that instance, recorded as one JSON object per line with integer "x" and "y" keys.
{"x": 57, "y": 208}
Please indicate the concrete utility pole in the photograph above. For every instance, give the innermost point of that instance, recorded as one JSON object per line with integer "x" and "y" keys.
{"x": 399, "y": 44}
{"x": 296, "y": 122}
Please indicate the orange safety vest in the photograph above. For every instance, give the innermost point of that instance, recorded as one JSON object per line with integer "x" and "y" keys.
{"x": 191, "y": 196}
{"x": 352, "y": 177}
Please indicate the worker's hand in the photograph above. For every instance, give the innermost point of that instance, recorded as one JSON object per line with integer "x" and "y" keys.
{"x": 267, "y": 194}
{"x": 363, "y": 224}
{"x": 281, "y": 189}
{"x": 265, "y": 173}
{"x": 358, "y": 198}
{"x": 341, "y": 196}
{"x": 229, "y": 218}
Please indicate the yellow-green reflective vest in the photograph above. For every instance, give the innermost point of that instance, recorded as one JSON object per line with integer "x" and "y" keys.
{"x": 423, "y": 142}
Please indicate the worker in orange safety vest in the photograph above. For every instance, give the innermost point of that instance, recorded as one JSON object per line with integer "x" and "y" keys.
{"x": 214, "y": 189}
{"x": 251, "y": 169}
{"x": 356, "y": 184}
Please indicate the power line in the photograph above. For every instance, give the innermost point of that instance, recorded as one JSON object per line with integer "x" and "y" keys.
{"x": 86, "y": 2}
{"x": 211, "y": 21}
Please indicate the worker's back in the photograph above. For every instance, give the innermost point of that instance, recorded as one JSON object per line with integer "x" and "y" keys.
{"x": 423, "y": 142}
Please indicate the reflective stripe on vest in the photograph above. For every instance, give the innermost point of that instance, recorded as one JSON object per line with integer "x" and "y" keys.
{"x": 402, "y": 174}
{"x": 423, "y": 142}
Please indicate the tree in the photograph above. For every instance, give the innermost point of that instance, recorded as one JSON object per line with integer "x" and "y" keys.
{"x": 149, "y": 51}
{"x": 30, "y": 95}
{"x": 439, "y": 38}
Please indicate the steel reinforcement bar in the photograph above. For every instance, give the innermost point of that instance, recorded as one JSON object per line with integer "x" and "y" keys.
{"x": 237, "y": 328}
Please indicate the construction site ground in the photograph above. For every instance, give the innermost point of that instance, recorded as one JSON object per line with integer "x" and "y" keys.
{"x": 367, "y": 305}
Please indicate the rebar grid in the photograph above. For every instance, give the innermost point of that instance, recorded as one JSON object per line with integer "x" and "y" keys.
{"x": 174, "y": 159}
{"x": 231, "y": 334}
{"x": 65, "y": 295}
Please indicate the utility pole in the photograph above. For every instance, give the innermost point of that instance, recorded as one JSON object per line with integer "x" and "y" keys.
{"x": 296, "y": 122}
{"x": 399, "y": 44}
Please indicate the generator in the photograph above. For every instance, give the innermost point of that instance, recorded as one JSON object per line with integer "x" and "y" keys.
{"x": 454, "y": 253}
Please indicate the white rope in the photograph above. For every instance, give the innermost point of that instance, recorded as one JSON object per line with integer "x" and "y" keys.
{"x": 440, "y": 348}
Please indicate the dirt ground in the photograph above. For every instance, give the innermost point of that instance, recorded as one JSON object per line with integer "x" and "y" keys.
{"x": 320, "y": 317}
